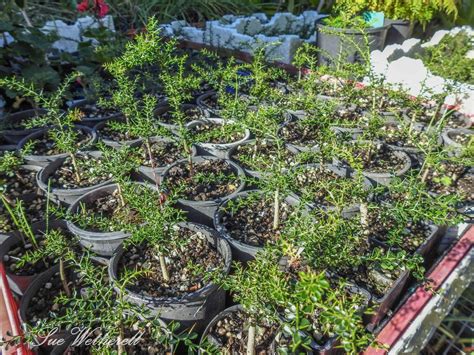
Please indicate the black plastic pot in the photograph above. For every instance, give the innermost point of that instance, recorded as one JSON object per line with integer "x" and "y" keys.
{"x": 7, "y": 147}
{"x": 426, "y": 247}
{"x": 67, "y": 348}
{"x": 110, "y": 142}
{"x": 382, "y": 305}
{"x": 255, "y": 173}
{"x": 398, "y": 31}
{"x": 294, "y": 116}
{"x": 14, "y": 136}
{"x": 91, "y": 121}
{"x": 451, "y": 144}
{"x": 43, "y": 160}
{"x": 217, "y": 318}
{"x": 386, "y": 178}
{"x": 203, "y": 211}
{"x": 165, "y": 108}
{"x": 349, "y": 211}
{"x": 25, "y": 302}
{"x": 335, "y": 42}
{"x": 215, "y": 149}
{"x": 154, "y": 175}
{"x": 19, "y": 283}
{"x": 241, "y": 251}
{"x": 102, "y": 243}
{"x": 331, "y": 346}
{"x": 195, "y": 309}
{"x": 66, "y": 196}
{"x": 200, "y": 101}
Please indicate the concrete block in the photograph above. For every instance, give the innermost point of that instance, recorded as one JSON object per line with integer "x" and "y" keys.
{"x": 193, "y": 34}
{"x": 249, "y": 26}
{"x": 437, "y": 37}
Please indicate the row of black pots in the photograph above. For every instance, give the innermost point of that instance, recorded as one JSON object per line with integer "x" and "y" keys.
{"x": 383, "y": 305}
{"x": 195, "y": 309}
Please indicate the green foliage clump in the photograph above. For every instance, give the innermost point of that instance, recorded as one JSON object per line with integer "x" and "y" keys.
{"x": 448, "y": 58}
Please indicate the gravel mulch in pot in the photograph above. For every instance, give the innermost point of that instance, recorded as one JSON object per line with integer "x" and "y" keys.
{"x": 376, "y": 280}
{"x": 206, "y": 180}
{"x": 146, "y": 345}
{"x": 65, "y": 177}
{"x": 231, "y": 331}
{"x": 35, "y": 210}
{"x": 211, "y": 102}
{"x": 251, "y": 221}
{"x": 24, "y": 122}
{"x": 425, "y": 114}
{"x": 195, "y": 249}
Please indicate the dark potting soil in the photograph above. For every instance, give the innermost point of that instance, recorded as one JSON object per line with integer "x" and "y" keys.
{"x": 93, "y": 111}
{"x": 65, "y": 178}
{"x": 410, "y": 239}
{"x": 208, "y": 180}
{"x": 196, "y": 251}
{"x": 261, "y": 155}
{"x": 46, "y": 146}
{"x": 190, "y": 114}
{"x": 109, "y": 133}
{"x": 452, "y": 178}
{"x": 325, "y": 188}
{"x": 377, "y": 281}
{"x": 231, "y": 333}
{"x": 252, "y": 221}
{"x": 302, "y": 133}
{"x": 27, "y": 269}
{"x": 217, "y": 133}
{"x": 146, "y": 345}
{"x": 18, "y": 183}
{"x": 43, "y": 304}
{"x": 378, "y": 159}
{"x": 164, "y": 153}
